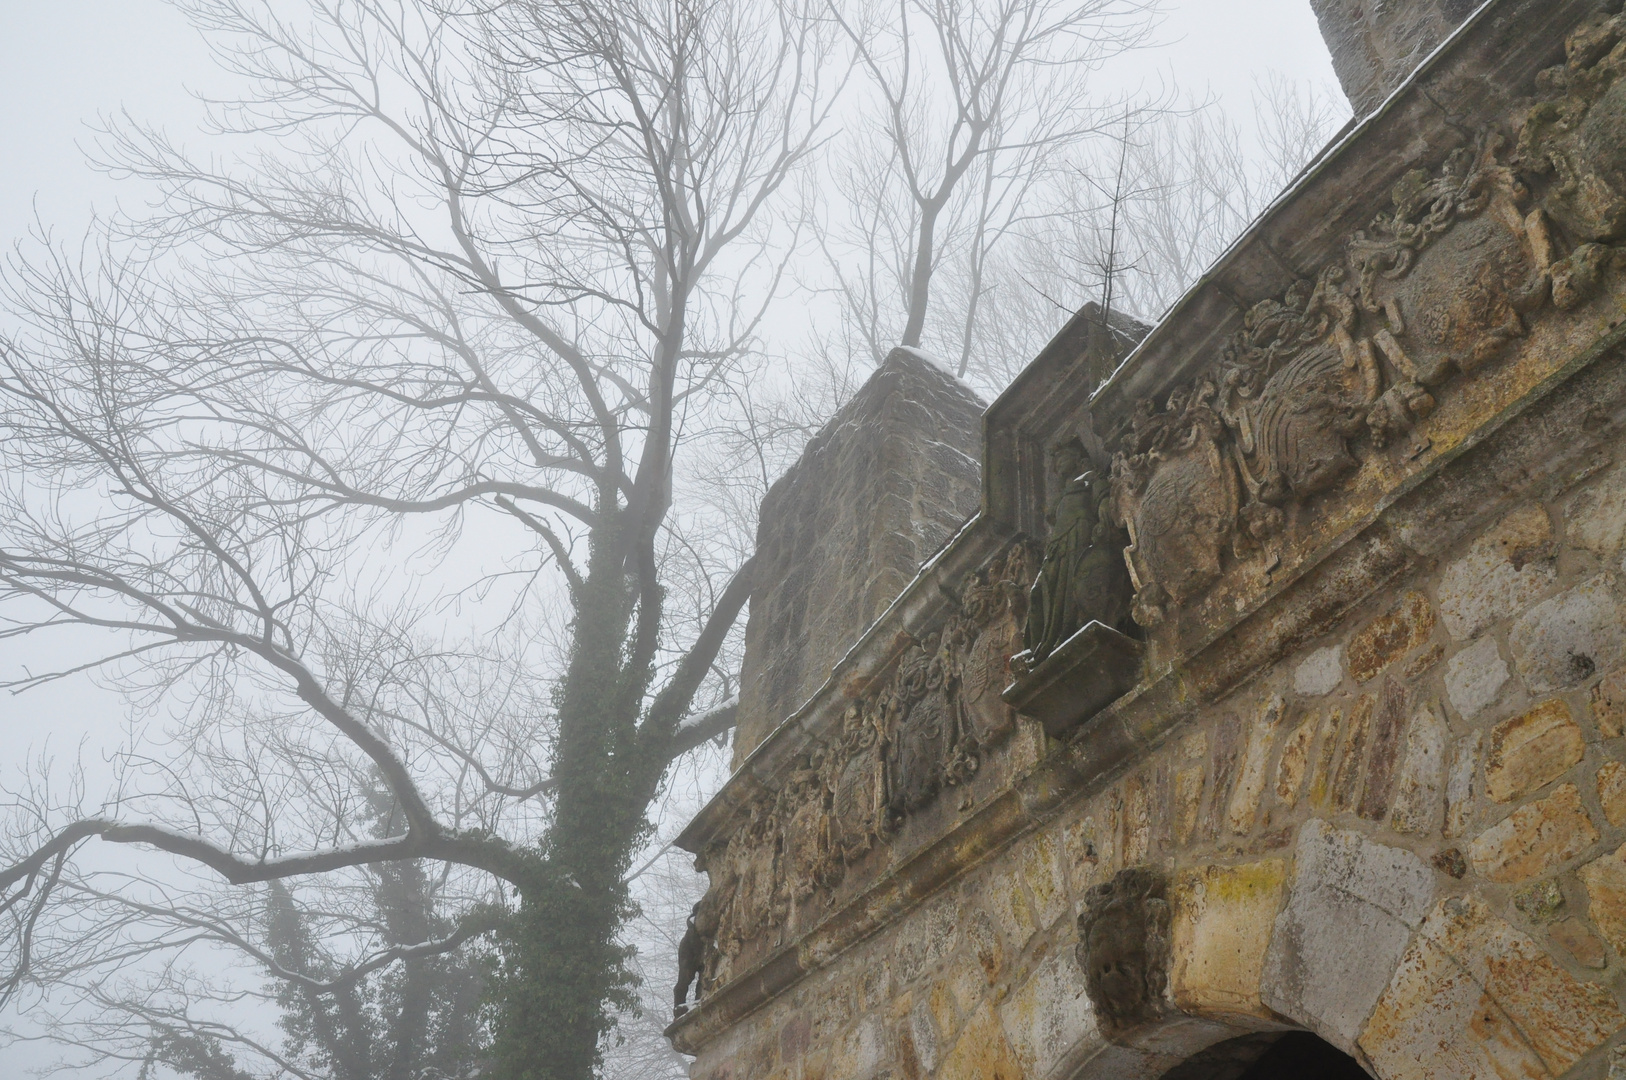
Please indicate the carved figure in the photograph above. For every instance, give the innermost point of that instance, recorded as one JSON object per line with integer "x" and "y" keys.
{"x": 1123, "y": 947}
{"x": 1082, "y": 577}
{"x": 695, "y": 953}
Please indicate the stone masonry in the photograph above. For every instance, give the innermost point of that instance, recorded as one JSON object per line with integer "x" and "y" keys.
{"x": 1356, "y": 774}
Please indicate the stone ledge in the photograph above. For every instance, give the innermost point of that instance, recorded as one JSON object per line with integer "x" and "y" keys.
{"x": 1085, "y": 674}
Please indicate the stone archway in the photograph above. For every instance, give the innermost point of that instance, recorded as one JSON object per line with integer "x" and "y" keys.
{"x": 1291, "y": 1055}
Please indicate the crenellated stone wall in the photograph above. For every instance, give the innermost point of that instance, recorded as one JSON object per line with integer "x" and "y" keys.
{"x": 1358, "y": 766}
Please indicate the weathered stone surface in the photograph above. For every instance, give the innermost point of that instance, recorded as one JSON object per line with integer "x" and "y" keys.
{"x": 1609, "y": 704}
{"x": 1321, "y": 764}
{"x": 1561, "y": 642}
{"x": 1459, "y": 784}
{"x": 1222, "y": 922}
{"x": 1294, "y": 765}
{"x": 1420, "y": 796}
{"x": 1475, "y": 997}
{"x": 1348, "y": 917}
{"x": 1474, "y": 678}
{"x": 1319, "y": 673}
{"x": 1605, "y": 881}
{"x": 1612, "y": 792}
{"x": 1540, "y": 901}
{"x": 1188, "y": 801}
{"x": 1047, "y": 1016}
{"x": 1580, "y": 942}
{"x": 1374, "y": 47}
{"x": 1420, "y": 664}
{"x": 1346, "y": 780}
{"x": 1597, "y": 515}
{"x": 1250, "y": 785}
{"x": 1532, "y": 750}
{"x": 880, "y": 488}
{"x": 980, "y": 1053}
{"x": 1535, "y": 838}
{"x": 1388, "y": 726}
{"x": 1390, "y": 636}
{"x": 1451, "y": 861}
{"x": 1501, "y": 573}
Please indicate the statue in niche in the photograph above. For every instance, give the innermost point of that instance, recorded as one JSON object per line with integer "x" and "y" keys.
{"x": 1083, "y": 576}
{"x": 695, "y": 954}
{"x": 1123, "y": 947}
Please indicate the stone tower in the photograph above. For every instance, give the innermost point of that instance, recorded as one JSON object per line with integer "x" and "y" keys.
{"x": 1375, "y": 44}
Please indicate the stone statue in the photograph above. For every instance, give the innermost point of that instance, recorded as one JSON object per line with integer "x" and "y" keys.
{"x": 1083, "y": 576}
{"x": 694, "y": 954}
{"x": 1123, "y": 947}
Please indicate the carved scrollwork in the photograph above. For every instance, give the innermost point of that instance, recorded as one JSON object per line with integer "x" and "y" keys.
{"x": 1123, "y": 947}
{"x": 1347, "y": 364}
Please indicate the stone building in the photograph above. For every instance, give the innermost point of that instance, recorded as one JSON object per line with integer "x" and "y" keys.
{"x": 1268, "y": 714}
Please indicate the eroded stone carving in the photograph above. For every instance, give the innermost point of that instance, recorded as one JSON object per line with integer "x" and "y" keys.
{"x": 1123, "y": 947}
{"x": 1345, "y": 366}
{"x": 922, "y": 729}
{"x": 1081, "y": 577}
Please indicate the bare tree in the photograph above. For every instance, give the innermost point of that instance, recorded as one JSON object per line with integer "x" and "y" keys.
{"x": 481, "y": 285}
{"x": 974, "y": 108}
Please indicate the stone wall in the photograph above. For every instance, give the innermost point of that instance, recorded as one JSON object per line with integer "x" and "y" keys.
{"x": 1375, "y": 44}
{"x": 880, "y": 488}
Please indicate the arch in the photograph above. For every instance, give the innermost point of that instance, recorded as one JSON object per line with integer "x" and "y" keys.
{"x": 1270, "y": 1055}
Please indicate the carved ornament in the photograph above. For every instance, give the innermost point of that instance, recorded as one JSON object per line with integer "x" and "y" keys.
{"x": 1123, "y": 947}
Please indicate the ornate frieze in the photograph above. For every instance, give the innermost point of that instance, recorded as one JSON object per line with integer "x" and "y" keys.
{"x": 1345, "y": 365}
{"x": 923, "y": 728}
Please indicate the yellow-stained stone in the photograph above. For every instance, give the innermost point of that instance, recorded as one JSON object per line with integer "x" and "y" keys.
{"x": 1321, "y": 770}
{"x": 1346, "y": 779}
{"x": 1223, "y": 917}
{"x": 981, "y": 1052}
{"x": 1390, "y": 636}
{"x": 1534, "y": 838}
{"x": 1612, "y": 791}
{"x": 1474, "y": 997}
{"x": 1137, "y": 819}
{"x": 1243, "y": 809}
{"x": 1605, "y": 881}
{"x": 1041, "y": 867}
{"x": 1609, "y": 704}
{"x": 1532, "y": 750}
{"x": 1295, "y": 762}
{"x": 1188, "y": 802}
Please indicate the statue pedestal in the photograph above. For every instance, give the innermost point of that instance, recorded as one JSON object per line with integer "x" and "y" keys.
{"x": 1086, "y": 673}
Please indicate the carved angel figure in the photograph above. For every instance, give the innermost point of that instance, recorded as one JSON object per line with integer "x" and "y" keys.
{"x": 1082, "y": 577}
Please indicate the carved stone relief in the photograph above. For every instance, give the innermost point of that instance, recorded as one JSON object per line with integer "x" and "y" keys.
{"x": 913, "y": 734}
{"x": 1345, "y": 366}
{"x": 1123, "y": 947}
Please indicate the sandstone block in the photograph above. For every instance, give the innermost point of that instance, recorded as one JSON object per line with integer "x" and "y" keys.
{"x": 1597, "y": 516}
{"x": 1420, "y": 795}
{"x": 980, "y": 1053}
{"x": 1459, "y": 784}
{"x": 1346, "y": 924}
{"x": 1562, "y": 641}
{"x": 1476, "y": 997}
{"x": 1346, "y": 779}
{"x": 1047, "y": 1016}
{"x": 1605, "y": 881}
{"x": 1502, "y": 572}
{"x": 1609, "y": 704}
{"x": 1390, "y": 636}
{"x": 1612, "y": 792}
{"x": 1580, "y": 942}
{"x": 1222, "y": 922}
{"x": 1540, "y": 901}
{"x": 1295, "y": 763}
{"x": 1250, "y": 785}
{"x": 1532, "y": 750}
{"x": 1535, "y": 838}
{"x": 1474, "y": 678}
{"x": 1320, "y": 672}
{"x": 1383, "y": 763}
{"x": 1188, "y": 802}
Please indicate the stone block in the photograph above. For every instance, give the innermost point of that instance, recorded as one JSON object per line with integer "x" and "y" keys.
{"x": 1476, "y": 997}
{"x": 980, "y": 1053}
{"x": 1294, "y": 765}
{"x": 1609, "y": 704}
{"x": 1048, "y": 1015}
{"x": 1612, "y": 792}
{"x": 1459, "y": 784}
{"x": 1346, "y": 779}
{"x": 1474, "y": 678}
{"x": 1348, "y": 918}
{"x": 1388, "y": 727}
{"x": 1320, "y": 673}
{"x": 1221, "y": 930}
{"x": 1390, "y": 636}
{"x": 1535, "y": 838}
{"x": 1580, "y": 942}
{"x": 1597, "y": 515}
{"x": 1243, "y": 808}
{"x": 1501, "y": 573}
{"x": 1188, "y": 802}
{"x": 862, "y": 1054}
{"x": 1532, "y": 750}
{"x": 1326, "y": 746}
{"x": 1540, "y": 901}
{"x": 1563, "y": 641}
{"x": 1420, "y": 795}
{"x": 1605, "y": 881}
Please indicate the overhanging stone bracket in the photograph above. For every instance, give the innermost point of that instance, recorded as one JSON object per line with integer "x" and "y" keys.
{"x": 1086, "y": 673}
